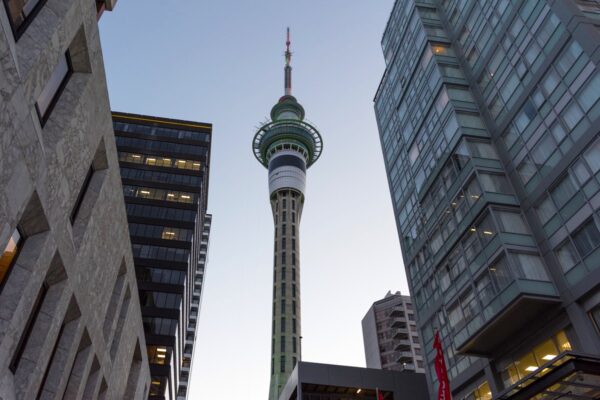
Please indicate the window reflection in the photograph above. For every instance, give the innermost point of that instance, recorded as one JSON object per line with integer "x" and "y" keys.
{"x": 19, "y": 11}
{"x": 9, "y": 254}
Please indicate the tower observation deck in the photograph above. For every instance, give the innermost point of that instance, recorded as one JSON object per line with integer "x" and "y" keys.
{"x": 287, "y": 146}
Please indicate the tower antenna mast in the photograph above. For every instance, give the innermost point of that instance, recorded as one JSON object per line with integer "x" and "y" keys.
{"x": 288, "y": 67}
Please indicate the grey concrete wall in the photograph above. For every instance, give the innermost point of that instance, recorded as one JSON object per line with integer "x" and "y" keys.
{"x": 78, "y": 346}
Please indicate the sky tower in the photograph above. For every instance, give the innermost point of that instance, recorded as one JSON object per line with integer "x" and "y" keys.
{"x": 287, "y": 146}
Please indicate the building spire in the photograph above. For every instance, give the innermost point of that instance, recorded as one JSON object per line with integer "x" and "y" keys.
{"x": 288, "y": 67}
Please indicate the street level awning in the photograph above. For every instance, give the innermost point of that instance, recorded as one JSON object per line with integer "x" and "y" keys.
{"x": 570, "y": 376}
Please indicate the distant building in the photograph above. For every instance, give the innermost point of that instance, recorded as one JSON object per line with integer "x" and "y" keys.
{"x": 312, "y": 381}
{"x": 489, "y": 121}
{"x": 390, "y": 335}
{"x": 70, "y": 321}
{"x": 164, "y": 168}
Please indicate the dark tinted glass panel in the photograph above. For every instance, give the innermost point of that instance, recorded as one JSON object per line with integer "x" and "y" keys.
{"x": 159, "y": 326}
{"x": 160, "y": 253}
{"x": 163, "y": 177}
{"x": 160, "y": 299}
{"x": 158, "y": 275}
{"x": 139, "y": 210}
{"x": 161, "y": 131}
{"x": 161, "y": 146}
{"x": 587, "y": 238}
{"x": 287, "y": 160}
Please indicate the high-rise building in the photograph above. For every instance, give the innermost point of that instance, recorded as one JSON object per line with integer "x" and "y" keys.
{"x": 69, "y": 324}
{"x": 390, "y": 335}
{"x": 488, "y": 116}
{"x": 164, "y": 168}
{"x": 287, "y": 146}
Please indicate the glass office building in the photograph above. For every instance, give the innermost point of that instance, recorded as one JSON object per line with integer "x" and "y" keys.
{"x": 488, "y": 116}
{"x": 164, "y": 169}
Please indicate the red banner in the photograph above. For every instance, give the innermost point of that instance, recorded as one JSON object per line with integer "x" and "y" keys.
{"x": 440, "y": 369}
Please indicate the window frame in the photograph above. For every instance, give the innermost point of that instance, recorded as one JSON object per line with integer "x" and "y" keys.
{"x": 19, "y": 248}
{"x": 20, "y": 30}
{"x": 59, "y": 90}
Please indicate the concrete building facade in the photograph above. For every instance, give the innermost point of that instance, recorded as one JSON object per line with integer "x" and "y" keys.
{"x": 489, "y": 122}
{"x": 164, "y": 168}
{"x": 287, "y": 146}
{"x": 70, "y": 322}
{"x": 390, "y": 335}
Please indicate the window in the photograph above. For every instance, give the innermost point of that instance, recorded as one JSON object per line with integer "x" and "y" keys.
{"x": 282, "y": 364}
{"x": 159, "y": 326}
{"x": 526, "y": 169}
{"x": 160, "y": 299}
{"x": 566, "y": 256}
{"x": 563, "y": 192}
{"x": 282, "y": 342}
{"x": 516, "y": 368}
{"x": 595, "y": 316}
{"x": 282, "y": 324}
{"x": 494, "y": 183}
{"x": 590, "y": 94}
{"x": 21, "y": 13}
{"x": 56, "y": 83}
{"x": 16, "y": 359}
{"x": 9, "y": 255}
{"x": 530, "y": 266}
{"x": 587, "y": 238}
{"x": 81, "y": 195}
{"x": 546, "y": 210}
{"x": 512, "y": 222}
{"x": 159, "y": 354}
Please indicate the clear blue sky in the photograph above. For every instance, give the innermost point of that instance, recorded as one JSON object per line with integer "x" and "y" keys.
{"x": 221, "y": 61}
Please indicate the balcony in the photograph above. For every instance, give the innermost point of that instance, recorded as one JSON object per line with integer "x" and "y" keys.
{"x": 505, "y": 316}
{"x": 402, "y": 345}
{"x": 404, "y": 357}
{"x": 398, "y": 323}
{"x": 397, "y": 312}
{"x": 401, "y": 334}
{"x": 569, "y": 376}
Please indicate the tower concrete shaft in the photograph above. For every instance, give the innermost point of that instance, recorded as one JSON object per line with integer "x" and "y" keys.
{"x": 286, "y": 344}
{"x": 287, "y": 146}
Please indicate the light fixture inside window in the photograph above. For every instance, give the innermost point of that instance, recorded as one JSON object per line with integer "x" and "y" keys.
{"x": 531, "y": 368}
{"x": 358, "y": 391}
{"x": 488, "y": 232}
{"x": 549, "y": 357}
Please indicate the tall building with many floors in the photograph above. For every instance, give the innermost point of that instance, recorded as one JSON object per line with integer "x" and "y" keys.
{"x": 489, "y": 122}
{"x": 286, "y": 146}
{"x": 390, "y": 335}
{"x": 70, "y": 322}
{"x": 164, "y": 168}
